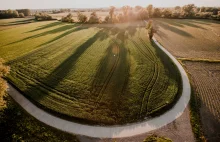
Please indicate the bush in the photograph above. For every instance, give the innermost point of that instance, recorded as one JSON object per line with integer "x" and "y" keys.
{"x": 157, "y": 13}
{"x": 142, "y": 14}
{"x": 21, "y": 15}
{"x": 81, "y": 17}
{"x": 94, "y": 18}
{"x": 204, "y": 15}
{"x": 43, "y": 17}
{"x": 176, "y": 15}
{"x": 8, "y": 14}
{"x": 166, "y": 13}
{"x": 4, "y": 70}
{"x": 68, "y": 18}
{"x": 26, "y": 12}
{"x": 107, "y": 19}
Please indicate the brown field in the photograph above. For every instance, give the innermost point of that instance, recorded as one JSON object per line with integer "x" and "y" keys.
{"x": 190, "y": 38}
{"x": 206, "y": 82}
{"x": 197, "y": 44}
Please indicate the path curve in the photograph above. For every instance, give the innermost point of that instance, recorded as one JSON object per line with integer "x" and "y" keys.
{"x": 110, "y": 131}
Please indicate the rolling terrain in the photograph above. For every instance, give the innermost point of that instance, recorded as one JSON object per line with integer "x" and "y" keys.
{"x": 97, "y": 74}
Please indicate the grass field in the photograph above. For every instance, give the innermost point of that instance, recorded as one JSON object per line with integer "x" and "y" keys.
{"x": 196, "y": 43}
{"x": 99, "y": 74}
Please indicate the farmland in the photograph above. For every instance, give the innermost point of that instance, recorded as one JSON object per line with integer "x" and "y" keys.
{"x": 196, "y": 43}
{"x": 200, "y": 38}
{"x": 100, "y": 74}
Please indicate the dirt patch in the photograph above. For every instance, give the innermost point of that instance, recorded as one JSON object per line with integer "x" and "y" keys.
{"x": 206, "y": 78}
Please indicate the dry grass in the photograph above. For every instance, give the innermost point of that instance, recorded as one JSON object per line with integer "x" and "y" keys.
{"x": 190, "y": 38}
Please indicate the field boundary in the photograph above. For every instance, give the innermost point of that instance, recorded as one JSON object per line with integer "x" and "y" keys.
{"x": 111, "y": 131}
{"x": 199, "y": 60}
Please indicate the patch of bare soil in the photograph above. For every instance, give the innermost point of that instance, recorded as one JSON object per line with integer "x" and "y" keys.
{"x": 206, "y": 79}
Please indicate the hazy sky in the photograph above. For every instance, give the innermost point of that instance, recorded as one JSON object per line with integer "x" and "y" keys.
{"x": 42, "y": 4}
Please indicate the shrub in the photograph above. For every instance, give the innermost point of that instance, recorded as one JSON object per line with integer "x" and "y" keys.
{"x": 142, "y": 14}
{"x": 21, "y": 15}
{"x": 26, "y": 12}
{"x": 150, "y": 29}
{"x": 204, "y": 15}
{"x": 94, "y": 18}
{"x": 175, "y": 14}
{"x": 188, "y": 10}
{"x": 107, "y": 19}
{"x": 8, "y": 14}
{"x": 4, "y": 70}
{"x": 157, "y": 13}
{"x": 166, "y": 13}
{"x": 43, "y": 17}
{"x": 81, "y": 17}
{"x": 68, "y": 18}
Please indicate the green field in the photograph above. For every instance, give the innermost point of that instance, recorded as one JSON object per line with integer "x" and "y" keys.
{"x": 99, "y": 74}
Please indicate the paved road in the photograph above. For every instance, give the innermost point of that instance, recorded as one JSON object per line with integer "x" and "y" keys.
{"x": 114, "y": 131}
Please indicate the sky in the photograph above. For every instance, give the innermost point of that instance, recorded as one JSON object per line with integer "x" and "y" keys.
{"x": 44, "y": 4}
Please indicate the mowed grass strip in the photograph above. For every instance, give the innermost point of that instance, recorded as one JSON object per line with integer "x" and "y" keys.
{"x": 91, "y": 74}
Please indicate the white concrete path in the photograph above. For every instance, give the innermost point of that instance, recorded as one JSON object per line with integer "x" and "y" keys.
{"x": 110, "y": 131}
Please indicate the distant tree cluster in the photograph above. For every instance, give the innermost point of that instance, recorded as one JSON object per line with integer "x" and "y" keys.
{"x": 61, "y": 11}
{"x": 68, "y": 18}
{"x": 187, "y": 11}
{"x": 81, "y": 17}
{"x": 94, "y": 19}
{"x": 26, "y": 12}
{"x": 143, "y": 13}
{"x": 5, "y": 14}
{"x": 43, "y": 17}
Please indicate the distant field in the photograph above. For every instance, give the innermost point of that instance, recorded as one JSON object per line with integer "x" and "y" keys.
{"x": 11, "y": 23}
{"x": 102, "y": 74}
{"x": 190, "y": 38}
{"x": 197, "y": 44}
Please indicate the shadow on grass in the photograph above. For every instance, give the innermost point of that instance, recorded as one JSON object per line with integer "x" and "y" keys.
{"x": 46, "y": 26}
{"x": 54, "y": 31}
{"x": 173, "y": 29}
{"x": 60, "y": 72}
{"x": 181, "y": 23}
{"x": 22, "y": 21}
{"x": 111, "y": 79}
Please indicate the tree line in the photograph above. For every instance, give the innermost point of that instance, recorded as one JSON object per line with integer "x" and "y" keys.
{"x": 19, "y": 13}
{"x": 127, "y": 13}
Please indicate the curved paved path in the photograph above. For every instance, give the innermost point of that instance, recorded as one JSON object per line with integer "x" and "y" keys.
{"x": 114, "y": 131}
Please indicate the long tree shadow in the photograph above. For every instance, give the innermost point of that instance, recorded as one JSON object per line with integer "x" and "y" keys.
{"x": 173, "y": 29}
{"x": 46, "y": 26}
{"x": 54, "y": 31}
{"x": 181, "y": 23}
{"x": 64, "y": 34}
{"x": 22, "y": 21}
{"x": 61, "y": 71}
{"x": 111, "y": 78}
